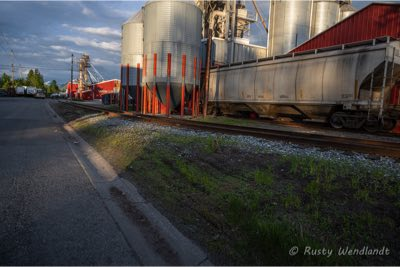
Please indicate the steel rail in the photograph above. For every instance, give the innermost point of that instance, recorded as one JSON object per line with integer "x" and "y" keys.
{"x": 374, "y": 147}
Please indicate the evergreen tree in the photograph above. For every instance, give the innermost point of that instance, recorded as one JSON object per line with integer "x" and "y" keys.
{"x": 53, "y": 87}
{"x": 35, "y": 79}
{"x": 5, "y": 81}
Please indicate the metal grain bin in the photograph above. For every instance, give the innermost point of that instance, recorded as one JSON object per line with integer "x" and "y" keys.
{"x": 325, "y": 14}
{"x": 289, "y": 25}
{"x": 131, "y": 50}
{"x": 346, "y": 11}
{"x": 132, "y": 46}
{"x": 171, "y": 27}
{"x": 132, "y": 40}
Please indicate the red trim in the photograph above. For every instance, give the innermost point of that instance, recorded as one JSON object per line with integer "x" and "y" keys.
{"x": 137, "y": 86}
{"x": 194, "y": 86}
{"x": 168, "y": 84}
{"x": 120, "y": 91}
{"x": 144, "y": 86}
{"x": 153, "y": 106}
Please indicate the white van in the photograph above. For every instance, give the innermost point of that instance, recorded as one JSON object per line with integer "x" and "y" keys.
{"x": 31, "y": 91}
{"x": 20, "y": 90}
{"x": 40, "y": 94}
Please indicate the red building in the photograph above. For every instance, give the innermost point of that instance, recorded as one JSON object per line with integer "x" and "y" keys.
{"x": 95, "y": 91}
{"x": 74, "y": 89}
{"x": 106, "y": 87}
{"x": 373, "y": 21}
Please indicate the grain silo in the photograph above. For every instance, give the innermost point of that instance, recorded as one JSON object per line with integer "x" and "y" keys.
{"x": 171, "y": 27}
{"x": 325, "y": 14}
{"x": 289, "y": 25}
{"x": 346, "y": 10}
{"x": 131, "y": 51}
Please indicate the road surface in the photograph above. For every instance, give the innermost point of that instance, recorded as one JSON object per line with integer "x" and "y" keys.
{"x": 50, "y": 214}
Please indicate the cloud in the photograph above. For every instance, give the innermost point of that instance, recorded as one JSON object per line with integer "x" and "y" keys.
{"x": 67, "y": 60}
{"x": 88, "y": 12}
{"x": 103, "y": 31}
{"x": 64, "y": 51}
{"x": 103, "y": 62}
{"x": 81, "y": 41}
{"x": 122, "y": 13}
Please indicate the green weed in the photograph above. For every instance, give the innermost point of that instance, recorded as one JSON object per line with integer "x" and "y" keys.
{"x": 265, "y": 177}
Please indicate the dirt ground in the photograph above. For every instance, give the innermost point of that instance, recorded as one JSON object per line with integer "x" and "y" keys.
{"x": 70, "y": 113}
{"x": 249, "y": 204}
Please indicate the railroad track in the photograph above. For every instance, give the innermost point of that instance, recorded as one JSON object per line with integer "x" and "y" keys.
{"x": 374, "y": 147}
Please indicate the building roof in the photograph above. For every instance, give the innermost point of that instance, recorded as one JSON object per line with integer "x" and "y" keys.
{"x": 373, "y": 21}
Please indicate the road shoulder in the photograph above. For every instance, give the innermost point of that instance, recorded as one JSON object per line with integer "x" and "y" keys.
{"x": 151, "y": 235}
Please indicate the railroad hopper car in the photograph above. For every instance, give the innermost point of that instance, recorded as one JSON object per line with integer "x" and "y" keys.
{"x": 349, "y": 86}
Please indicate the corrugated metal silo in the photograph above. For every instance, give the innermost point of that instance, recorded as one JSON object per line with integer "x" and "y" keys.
{"x": 325, "y": 14}
{"x": 131, "y": 48}
{"x": 346, "y": 10}
{"x": 171, "y": 27}
{"x": 289, "y": 25}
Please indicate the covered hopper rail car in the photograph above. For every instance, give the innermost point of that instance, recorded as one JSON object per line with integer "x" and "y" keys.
{"x": 351, "y": 86}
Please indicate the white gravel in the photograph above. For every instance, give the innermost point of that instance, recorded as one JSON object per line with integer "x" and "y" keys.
{"x": 150, "y": 131}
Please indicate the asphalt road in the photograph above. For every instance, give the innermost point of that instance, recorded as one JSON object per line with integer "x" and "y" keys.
{"x": 50, "y": 214}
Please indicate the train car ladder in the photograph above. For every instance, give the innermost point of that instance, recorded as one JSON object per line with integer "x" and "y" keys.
{"x": 382, "y": 96}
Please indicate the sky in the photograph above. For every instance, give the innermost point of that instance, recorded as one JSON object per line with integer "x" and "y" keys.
{"x": 45, "y": 34}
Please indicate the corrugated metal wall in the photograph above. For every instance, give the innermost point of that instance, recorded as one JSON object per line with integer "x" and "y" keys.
{"x": 220, "y": 52}
{"x": 375, "y": 20}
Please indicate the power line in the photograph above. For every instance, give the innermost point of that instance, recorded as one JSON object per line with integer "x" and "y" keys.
{"x": 9, "y": 46}
{"x": 35, "y": 67}
{"x": 5, "y": 50}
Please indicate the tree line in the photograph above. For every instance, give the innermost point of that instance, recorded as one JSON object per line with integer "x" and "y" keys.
{"x": 34, "y": 79}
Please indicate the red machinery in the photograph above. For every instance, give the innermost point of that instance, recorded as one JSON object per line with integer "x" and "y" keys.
{"x": 72, "y": 91}
{"x": 106, "y": 87}
{"x": 95, "y": 91}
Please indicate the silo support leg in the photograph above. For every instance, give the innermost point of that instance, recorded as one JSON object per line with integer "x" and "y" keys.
{"x": 182, "y": 99}
{"x": 197, "y": 102}
{"x": 137, "y": 86}
{"x": 193, "y": 101}
{"x": 168, "y": 84}
{"x": 120, "y": 91}
{"x": 127, "y": 89}
{"x": 183, "y": 85}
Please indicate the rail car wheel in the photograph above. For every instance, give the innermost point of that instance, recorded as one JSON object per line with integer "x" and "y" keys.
{"x": 388, "y": 124}
{"x": 371, "y": 126}
{"x": 336, "y": 121}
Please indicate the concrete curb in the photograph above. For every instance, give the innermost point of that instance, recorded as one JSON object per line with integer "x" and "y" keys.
{"x": 155, "y": 242}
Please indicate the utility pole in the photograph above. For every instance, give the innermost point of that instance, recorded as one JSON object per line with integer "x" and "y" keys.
{"x": 12, "y": 75}
{"x": 72, "y": 71}
{"x": 12, "y": 68}
{"x": 207, "y": 72}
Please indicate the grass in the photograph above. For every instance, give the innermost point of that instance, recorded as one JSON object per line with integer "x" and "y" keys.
{"x": 250, "y": 209}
